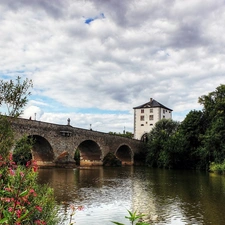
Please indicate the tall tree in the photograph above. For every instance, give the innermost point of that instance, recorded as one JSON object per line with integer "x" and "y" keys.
{"x": 192, "y": 128}
{"x": 213, "y": 141}
{"x": 15, "y": 95}
{"x": 163, "y": 144}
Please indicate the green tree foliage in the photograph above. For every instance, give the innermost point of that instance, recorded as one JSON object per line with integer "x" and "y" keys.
{"x": 6, "y": 136}
{"x": 127, "y": 134}
{"x": 77, "y": 157}
{"x": 191, "y": 129}
{"x": 163, "y": 144}
{"x": 22, "y": 151}
{"x": 213, "y": 141}
{"x": 14, "y": 95}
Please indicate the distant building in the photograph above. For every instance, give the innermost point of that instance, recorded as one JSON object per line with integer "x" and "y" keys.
{"x": 146, "y": 115}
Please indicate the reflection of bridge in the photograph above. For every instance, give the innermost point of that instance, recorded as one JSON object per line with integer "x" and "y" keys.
{"x": 56, "y": 144}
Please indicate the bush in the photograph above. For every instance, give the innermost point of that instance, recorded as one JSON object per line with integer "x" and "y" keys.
{"x": 217, "y": 167}
{"x": 22, "y": 199}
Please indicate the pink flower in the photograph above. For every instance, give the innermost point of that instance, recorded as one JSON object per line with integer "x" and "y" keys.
{"x": 11, "y": 172}
{"x": 35, "y": 168}
{"x": 28, "y": 163}
{"x": 39, "y": 222}
{"x": 10, "y": 156}
{"x": 18, "y": 213}
{"x": 80, "y": 208}
{"x": 10, "y": 209}
{"x": 38, "y": 208}
{"x": 7, "y": 189}
{"x": 21, "y": 174}
{"x": 32, "y": 191}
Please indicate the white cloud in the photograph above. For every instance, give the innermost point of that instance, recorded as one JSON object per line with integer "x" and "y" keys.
{"x": 171, "y": 51}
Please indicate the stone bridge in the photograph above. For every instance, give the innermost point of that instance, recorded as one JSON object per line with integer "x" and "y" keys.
{"x": 56, "y": 144}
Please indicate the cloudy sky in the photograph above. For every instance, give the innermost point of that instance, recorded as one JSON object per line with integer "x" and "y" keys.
{"x": 94, "y": 60}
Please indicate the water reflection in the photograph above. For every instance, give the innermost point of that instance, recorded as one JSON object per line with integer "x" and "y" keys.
{"x": 167, "y": 197}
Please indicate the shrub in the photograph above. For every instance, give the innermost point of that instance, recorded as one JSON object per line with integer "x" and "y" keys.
{"x": 22, "y": 199}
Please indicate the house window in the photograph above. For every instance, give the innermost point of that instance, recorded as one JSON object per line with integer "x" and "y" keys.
{"x": 164, "y": 110}
{"x": 163, "y": 117}
{"x": 151, "y": 110}
{"x": 151, "y": 124}
{"x": 142, "y": 118}
{"x": 151, "y": 117}
{"x": 142, "y": 110}
{"x": 142, "y": 124}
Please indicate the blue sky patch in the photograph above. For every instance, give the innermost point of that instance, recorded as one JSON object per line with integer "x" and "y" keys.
{"x": 91, "y": 19}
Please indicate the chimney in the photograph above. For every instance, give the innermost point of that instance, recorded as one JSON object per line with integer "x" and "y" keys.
{"x": 150, "y": 99}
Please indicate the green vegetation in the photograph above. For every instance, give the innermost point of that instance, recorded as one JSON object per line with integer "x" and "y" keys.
{"x": 125, "y": 134}
{"x": 22, "y": 199}
{"x": 111, "y": 160}
{"x": 22, "y": 151}
{"x": 14, "y": 95}
{"x": 77, "y": 157}
{"x": 198, "y": 142}
{"x": 217, "y": 167}
{"x": 134, "y": 218}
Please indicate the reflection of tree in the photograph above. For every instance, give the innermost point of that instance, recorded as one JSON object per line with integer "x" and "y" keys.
{"x": 190, "y": 196}
{"x": 189, "y": 193}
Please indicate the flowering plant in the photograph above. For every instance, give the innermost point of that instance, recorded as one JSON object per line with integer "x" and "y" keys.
{"x": 73, "y": 209}
{"x": 22, "y": 199}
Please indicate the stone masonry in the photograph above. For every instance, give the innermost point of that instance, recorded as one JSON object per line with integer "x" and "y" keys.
{"x": 56, "y": 144}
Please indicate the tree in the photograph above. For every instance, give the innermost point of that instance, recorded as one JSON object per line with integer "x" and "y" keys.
{"x": 163, "y": 144}
{"x": 191, "y": 129}
{"x": 127, "y": 134}
{"x": 22, "y": 152}
{"x": 15, "y": 95}
{"x": 213, "y": 140}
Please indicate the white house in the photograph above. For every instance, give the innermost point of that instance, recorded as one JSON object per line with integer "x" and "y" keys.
{"x": 146, "y": 115}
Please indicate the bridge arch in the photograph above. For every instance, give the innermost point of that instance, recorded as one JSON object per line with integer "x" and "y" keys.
{"x": 90, "y": 153}
{"x": 125, "y": 154}
{"x": 42, "y": 151}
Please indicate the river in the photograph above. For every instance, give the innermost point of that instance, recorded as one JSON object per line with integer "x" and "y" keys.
{"x": 171, "y": 197}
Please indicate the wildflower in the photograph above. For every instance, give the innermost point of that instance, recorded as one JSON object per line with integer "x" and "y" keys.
{"x": 10, "y": 157}
{"x": 18, "y": 213}
{"x": 38, "y": 208}
{"x": 7, "y": 189}
{"x": 32, "y": 191}
{"x": 10, "y": 209}
{"x": 80, "y": 208}
{"x": 11, "y": 172}
{"x": 28, "y": 163}
{"x": 35, "y": 169}
{"x": 39, "y": 222}
{"x": 21, "y": 174}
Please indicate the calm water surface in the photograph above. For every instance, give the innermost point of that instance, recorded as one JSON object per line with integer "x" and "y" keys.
{"x": 166, "y": 196}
